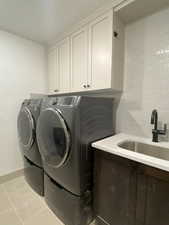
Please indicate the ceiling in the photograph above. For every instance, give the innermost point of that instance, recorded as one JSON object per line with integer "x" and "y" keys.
{"x": 43, "y": 20}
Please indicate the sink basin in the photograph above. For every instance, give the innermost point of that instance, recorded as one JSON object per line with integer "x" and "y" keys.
{"x": 146, "y": 149}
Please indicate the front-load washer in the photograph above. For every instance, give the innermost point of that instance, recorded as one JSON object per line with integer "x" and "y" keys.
{"x": 26, "y": 124}
{"x": 66, "y": 127}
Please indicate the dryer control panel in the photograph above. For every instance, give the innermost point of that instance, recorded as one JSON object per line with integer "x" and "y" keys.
{"x": 59, "y": 101}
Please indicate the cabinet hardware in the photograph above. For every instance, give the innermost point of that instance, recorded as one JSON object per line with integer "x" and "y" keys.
{"x": 56, "y": 90}
{"x": 88, "y": 85}
{"x": 84, "y": 86}
{"x": 115, "y": 33}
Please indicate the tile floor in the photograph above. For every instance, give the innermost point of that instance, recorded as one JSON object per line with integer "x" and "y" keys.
{"x": 20, "y": 205}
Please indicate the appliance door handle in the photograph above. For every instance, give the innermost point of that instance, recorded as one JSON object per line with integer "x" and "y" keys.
{"x": 31, "y": 121}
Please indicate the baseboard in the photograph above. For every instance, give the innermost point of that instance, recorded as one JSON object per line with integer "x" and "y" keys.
{"x": 11, "y": 176}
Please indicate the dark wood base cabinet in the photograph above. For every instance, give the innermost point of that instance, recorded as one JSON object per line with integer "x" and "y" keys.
{"x": 129, "y": 193}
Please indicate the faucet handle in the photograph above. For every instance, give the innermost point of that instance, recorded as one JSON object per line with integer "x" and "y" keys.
{"x": 164, "y": 131}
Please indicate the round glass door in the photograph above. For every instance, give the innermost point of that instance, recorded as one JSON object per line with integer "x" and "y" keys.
{"x": 26, "y": 127}
{"x": 53, "y": 137}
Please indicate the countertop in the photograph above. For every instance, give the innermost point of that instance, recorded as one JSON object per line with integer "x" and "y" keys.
{"x": 110, "y": 145}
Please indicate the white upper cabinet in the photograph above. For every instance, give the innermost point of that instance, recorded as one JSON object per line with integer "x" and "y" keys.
{"x": 85, "y": 60}
{"x": 100, "y": 52}
{"x": 63, "y": 70}
{"x": 52, "y": 71}
{"x": 79, "y": 59}
{"x": 59, "y": 67}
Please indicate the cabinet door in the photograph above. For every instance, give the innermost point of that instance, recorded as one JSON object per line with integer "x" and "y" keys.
{"x": 52, "y": 71}
{"x": 152, "y": 197}
{"x": 114, "y": 190}
{"x": 79, "y": 52}
{"x": 64, "y": 65}
{"x": 100, "y": 51}
{"x": 157, "y": 210}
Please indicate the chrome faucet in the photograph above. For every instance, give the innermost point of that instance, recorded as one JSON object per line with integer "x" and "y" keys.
{"x": 155, "y": 131}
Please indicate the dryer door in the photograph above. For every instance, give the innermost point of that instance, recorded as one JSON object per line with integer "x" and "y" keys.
{"x": 53, "y": 137}
{"x": 26, "y": 128}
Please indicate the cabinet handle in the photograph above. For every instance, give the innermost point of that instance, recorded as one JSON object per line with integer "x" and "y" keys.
{"x": 56, "y": 90}
{"x": 88, "y": 85}
{"x": 84, "y": 86}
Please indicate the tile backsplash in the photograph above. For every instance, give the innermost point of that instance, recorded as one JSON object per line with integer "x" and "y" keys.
{"x": 146, "y": 75}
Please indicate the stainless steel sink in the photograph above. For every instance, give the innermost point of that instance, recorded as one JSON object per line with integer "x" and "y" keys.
{"x": 146, "y": 149}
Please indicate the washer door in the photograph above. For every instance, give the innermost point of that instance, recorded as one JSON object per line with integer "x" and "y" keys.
{"x": 26, "y": 128}
{"x": 53, "y": 137}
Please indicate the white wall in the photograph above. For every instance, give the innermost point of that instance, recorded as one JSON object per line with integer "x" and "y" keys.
{"x": 22, "y": 71}
{"x": 146, "y": 82}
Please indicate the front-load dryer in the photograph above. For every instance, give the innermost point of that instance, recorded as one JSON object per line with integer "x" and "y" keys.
{"x": 26, "y": 124}
{"x": 66, "y": 128}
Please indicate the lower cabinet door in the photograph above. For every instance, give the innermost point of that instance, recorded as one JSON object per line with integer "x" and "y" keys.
{"x": 114, "y": 190}
{"x": 153, "y": 197}
{"x": 129, "y": 193}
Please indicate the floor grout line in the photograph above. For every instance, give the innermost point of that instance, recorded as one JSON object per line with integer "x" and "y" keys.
{"x": 13, "y": 206}
{"x": 6, "y": 210}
